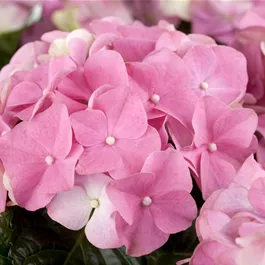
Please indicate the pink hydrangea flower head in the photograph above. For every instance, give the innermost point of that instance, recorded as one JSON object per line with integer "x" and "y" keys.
{"x": 119, "y": 136}
{"x": 39, "y": 157}
{"x": 154, "y": 203}
{"x": 73, "y": 210}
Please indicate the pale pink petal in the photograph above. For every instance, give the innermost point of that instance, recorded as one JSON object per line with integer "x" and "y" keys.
{"x": 93, "y": 184}
{"x": 53, "y": 35}
{"x": 174, "y": 176}
{"x": 101, "y": 228}
{"x": 70, "y": 208}
{"x": 78, "y": 50}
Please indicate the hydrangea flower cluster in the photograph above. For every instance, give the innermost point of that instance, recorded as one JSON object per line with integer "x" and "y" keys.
{"x": 101, "y": 126}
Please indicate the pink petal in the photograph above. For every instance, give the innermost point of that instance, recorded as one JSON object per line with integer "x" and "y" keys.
{"x": 142, "y": 237}
{"x": 60, "y": 175}
{"x": 133, "y": 50}
{"x": 72, "y": 105}
{"x": 256, "y": 195}
{"x": 78, "y": 50}
{"x": 122, "y": 105}
{"x": 170, "y": 169}
{"x": 105, "y": 67}
{"x": 248, "y": 173}
{"x": 53, "y": 130}
{"x": 134, "y": 152}
{"x": 75, "y": 86}
{"x": 207, "y": 111}
{"x": 229, "y": 79}
{"x": 236, "y": 127}
{"x": 90, "y": 127}
{"x": 97, "y": 159}
{"x": 127, "y": 194}
{"x": 23, "y": 94}
{"x": 181, "y": 135}
{"x": 59, "y": 68}
{"x": 207, "y": 253}
{"x": 69, "y": 204}
{"x": 160, "y": 125}
{"x": 201, "y": 61}
{"x": 173, "y": 81}
{"x": 229, "y": 201}
{"x": 216, "y": 173}
{"x": 174, "y": 211}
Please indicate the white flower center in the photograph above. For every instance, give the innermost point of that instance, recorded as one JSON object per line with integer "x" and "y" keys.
{"x": 110, "y": 140}
{"x": 49, "y": 160}
{"x": 204, "y": 86}
{"x": 212, "y": 147}
{"x": 146, "y": 201}
{"x": 94, "y": 203}
{"x": 155, "y": 98}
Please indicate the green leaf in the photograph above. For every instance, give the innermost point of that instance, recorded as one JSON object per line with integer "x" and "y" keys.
{"x": 8, "y": 45}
